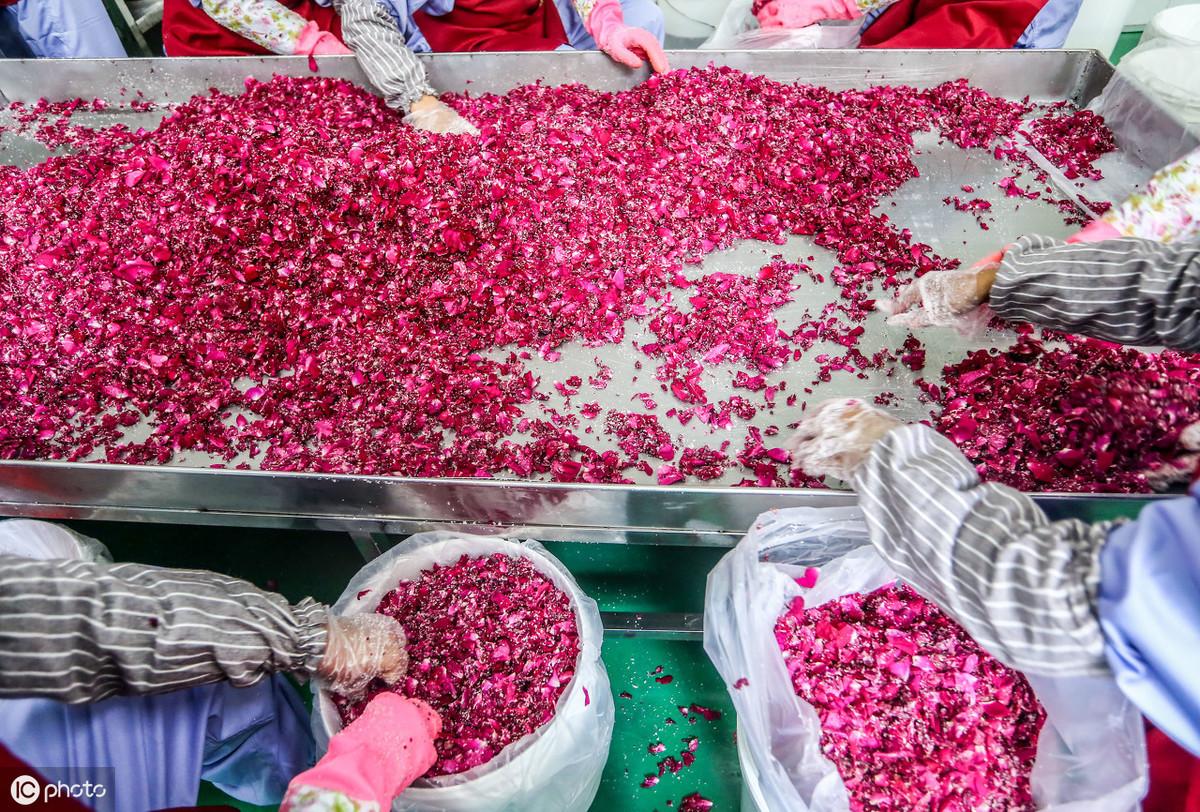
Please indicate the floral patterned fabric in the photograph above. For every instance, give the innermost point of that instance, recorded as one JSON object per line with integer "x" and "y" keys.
{"x": 1168, "y": 209}
{"x": 267, "y": 23}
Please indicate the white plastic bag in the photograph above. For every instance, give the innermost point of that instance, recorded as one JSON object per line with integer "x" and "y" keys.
{"x": 31, "y": 538}
{"x": 739, "y": 30}
{"x": 1091, "y": 752}
{"x": 1168, "y": 72}
{"x": 1163, "y": 68}
{"x": 555, "y": 769}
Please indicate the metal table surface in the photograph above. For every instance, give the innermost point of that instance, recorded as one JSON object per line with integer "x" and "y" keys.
{"x": 715, "y": 515}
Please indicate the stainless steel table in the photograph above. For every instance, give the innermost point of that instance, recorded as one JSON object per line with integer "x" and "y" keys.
{"x": 716, "y": 515}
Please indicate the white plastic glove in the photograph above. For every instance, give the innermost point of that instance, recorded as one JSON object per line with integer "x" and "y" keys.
{"x": 360, "y": 648}
{"x": 431, "y": 115}
{"x": 945, "y": 299}
{"x": 837, "y": 436}
{"x": 1183, "y": 468}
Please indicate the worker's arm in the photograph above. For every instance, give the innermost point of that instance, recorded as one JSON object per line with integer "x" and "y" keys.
{"x": 77, "y": 631}
{"x": 373, "y": 35}
{"x": 393, "y": 69}
{"x": 1024, "y": 587}
{"x": 1056, "y": 598}
{"x": 1140, "y": 291}
{"x": 1132, "y": 291}
{"x": 626, "y": 44}
{"x": 272, "y": 25}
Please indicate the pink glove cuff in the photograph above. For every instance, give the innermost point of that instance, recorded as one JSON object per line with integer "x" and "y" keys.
{"x": 992, "y": 259}
{"x": 315, "y": 42}
{"x": 1095, "y": 231}
{"x": 605, "y": 20}
{"x": 379, "y": 754}
{"x": 329, "y": 45}
{"x": 308, "y": 39}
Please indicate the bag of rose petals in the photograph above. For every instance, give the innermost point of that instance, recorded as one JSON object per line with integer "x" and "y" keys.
{"x": 557, "y": 768}
{"x": 1090, "y": 753}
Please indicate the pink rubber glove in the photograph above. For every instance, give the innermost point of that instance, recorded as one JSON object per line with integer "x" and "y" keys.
{"x": 803, "y": 13}
{"x": 375, "y": 757}
{"x": 624, "y": 43}
{"x": 1095, "y": 231}
{"x": 315, "y": 42}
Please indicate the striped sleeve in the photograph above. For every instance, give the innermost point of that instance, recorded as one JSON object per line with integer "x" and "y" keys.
{"x": 77, "y": 631}
{"x": 1022, "y": 586}
{"x": 369, "y": 30}
{"x": 1130, "y": 290}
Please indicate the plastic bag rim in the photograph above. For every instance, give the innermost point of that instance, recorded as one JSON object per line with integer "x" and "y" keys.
{"x": 548, "y": 565}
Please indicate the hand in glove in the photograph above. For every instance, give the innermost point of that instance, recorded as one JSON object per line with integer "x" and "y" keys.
{"x": 837, "y": 436}
{"x": 803, "y": 13}
{"x": 372, "y": 760}
{"x": 430, "y": 114}
{"x": 945, "y": 298}
{"x": 1183, "y": 468}
{"x": 315, "y": 42}
{"x": 361, "y": 648}
{"x": 951, "y": 298}
{"x": 624, "y": 43}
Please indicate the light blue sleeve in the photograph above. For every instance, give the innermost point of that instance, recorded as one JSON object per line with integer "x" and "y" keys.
{"x": 257, "y": 739}
{"x": 1149, "y": 604}
{"x": 1051, "y": 26}
{"x": 68, "y": 29}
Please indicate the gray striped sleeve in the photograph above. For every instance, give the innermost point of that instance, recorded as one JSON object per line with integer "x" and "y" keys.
{"x": 1022, "y": 586}
{"x": 1128, "y": 290}
{"x": 77, "y": 631}
{"x": 369, "y": 30}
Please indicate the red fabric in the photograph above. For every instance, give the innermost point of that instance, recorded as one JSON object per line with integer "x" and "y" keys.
{"x": 189, "y": 31}
{"x": 494, "y": 25}
{"x": 12, "y": 768}
{"x": 952, "y": 24}
{"x": 1174, "y": 776}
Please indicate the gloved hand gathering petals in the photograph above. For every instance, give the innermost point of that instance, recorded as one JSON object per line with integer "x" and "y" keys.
{"x": 945, "y": 298}
{"x": 435, "y": 116}
{"x": 837, "y": 436}
{"x": 361, "y": 648}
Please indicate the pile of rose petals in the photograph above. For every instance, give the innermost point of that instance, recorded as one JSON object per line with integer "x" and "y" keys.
{"x": 492, "y": 644}
{"x": 1089, "y": 417}
{"x": 293, "y": 279}
{"x": 1073, "y": 140}
{"x": 294, "y": 275}
{"x": 913, "y": 713}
